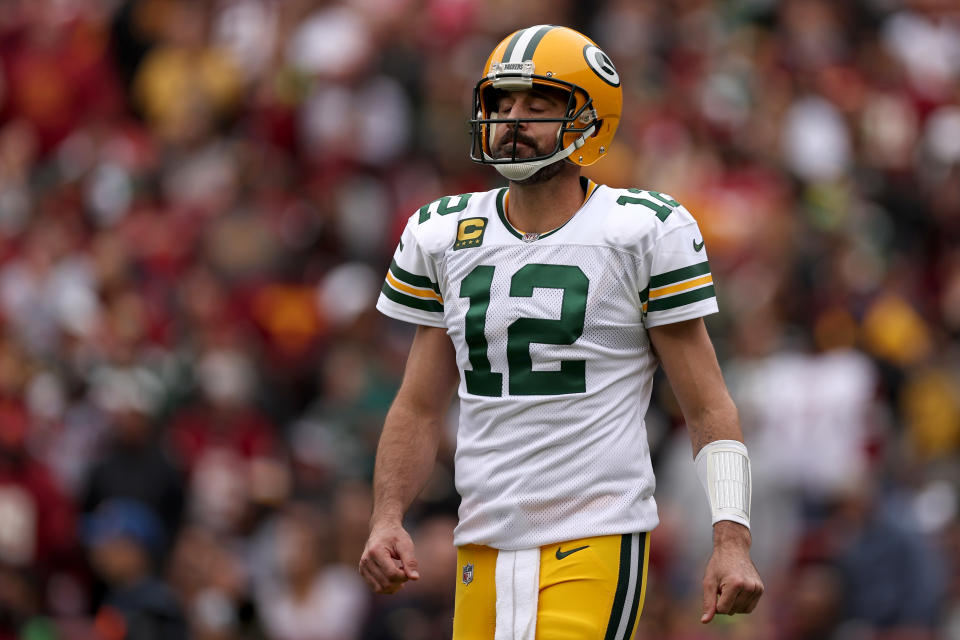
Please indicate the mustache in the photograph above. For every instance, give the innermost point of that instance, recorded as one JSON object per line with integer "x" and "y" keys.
{"x": 511, "y": 136}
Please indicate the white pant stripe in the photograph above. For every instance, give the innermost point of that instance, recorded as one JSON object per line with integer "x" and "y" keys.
{"x": 528, "y": 34}
{"x": 623, "y": 629}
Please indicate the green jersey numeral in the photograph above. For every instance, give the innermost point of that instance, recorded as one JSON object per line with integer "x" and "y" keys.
{"x": 571, "y": 378}
{"x": 659, "y": 209}
{"x": 481, "y": 381}
{"x": 443, "y": 206}
{"x": 523, "y": 380}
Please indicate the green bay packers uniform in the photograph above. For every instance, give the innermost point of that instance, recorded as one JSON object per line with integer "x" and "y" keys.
{"x": 588, "y": 588}
{"x": 551, "y": 341}
{"x": 556, "y": 368}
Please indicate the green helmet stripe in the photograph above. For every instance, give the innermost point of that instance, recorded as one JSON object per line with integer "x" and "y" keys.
{"x": 524, "y": 43}
{"x": 512, "y": 45}
{"x": 534, "y": 41}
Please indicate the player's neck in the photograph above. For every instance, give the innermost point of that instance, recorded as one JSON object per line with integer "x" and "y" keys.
{"x": 542, "y": 207}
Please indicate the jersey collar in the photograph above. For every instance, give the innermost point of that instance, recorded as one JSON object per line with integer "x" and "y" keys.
{"x": 503, "y": 197}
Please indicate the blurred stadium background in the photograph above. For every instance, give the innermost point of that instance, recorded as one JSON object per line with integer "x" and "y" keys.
{"x": 198, "y": 202}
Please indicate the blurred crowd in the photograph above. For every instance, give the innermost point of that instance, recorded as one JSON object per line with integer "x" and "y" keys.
{"x": 198, "y": 202}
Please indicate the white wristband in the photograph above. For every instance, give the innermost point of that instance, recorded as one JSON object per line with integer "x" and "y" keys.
{"x": 723, "y": 467}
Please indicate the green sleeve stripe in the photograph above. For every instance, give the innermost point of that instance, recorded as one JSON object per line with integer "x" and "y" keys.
{"x": 412, "y": 279}
{"x": 672, "y": 302}
{"x": 670, "y": 277}
{"x": 645, "y": 295}
{"x": 410, "y": 301}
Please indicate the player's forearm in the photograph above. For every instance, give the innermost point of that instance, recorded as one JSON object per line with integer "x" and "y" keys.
{"x": 723, "y": 468}
{"x": 714, "y": 420}
{"x": 687, "y": 356}
{"x": 405, "y": 458}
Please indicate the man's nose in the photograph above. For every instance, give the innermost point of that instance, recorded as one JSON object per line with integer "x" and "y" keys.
{"x": 516, "y": 111}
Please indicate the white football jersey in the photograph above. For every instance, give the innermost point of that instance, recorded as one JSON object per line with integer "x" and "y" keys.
{"x": 555, "y": 361}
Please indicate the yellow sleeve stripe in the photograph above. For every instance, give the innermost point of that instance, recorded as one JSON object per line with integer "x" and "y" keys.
{"x": 417, "y": 292}
{"x": 682, "y": 286}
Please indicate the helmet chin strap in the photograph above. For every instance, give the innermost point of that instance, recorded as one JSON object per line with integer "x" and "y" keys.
{"x": 518, "y": 171}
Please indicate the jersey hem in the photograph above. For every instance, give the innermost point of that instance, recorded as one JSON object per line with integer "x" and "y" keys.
{"x": 397, "y": 312}
{"x": 576, "y": 535}
{"x": 663, "y": 318}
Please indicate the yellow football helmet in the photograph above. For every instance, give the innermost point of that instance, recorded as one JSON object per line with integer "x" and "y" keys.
{"x": 556, "y": 57}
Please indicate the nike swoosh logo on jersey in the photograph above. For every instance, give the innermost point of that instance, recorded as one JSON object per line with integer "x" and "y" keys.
{"x": 563, "y": 554}
{"x": 697, "y": 247}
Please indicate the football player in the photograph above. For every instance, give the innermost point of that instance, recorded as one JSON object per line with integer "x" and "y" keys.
{"x": 548, "y": 305}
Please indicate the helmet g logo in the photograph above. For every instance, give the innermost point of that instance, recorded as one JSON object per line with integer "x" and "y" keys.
{"x": 601, "y": 65}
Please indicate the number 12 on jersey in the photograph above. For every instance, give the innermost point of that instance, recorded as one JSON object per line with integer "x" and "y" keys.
{"x": 522, "y": 332}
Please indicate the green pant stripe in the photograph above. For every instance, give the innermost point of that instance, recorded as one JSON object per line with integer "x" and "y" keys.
{"x": 623, "y": 583}
{"x": 638, "y": 590}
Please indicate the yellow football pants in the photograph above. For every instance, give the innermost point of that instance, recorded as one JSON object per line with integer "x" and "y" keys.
{"x": 590, "y": 589}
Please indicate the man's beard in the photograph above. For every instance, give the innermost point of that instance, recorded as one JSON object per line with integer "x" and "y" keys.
{"x": 544, "y": 174}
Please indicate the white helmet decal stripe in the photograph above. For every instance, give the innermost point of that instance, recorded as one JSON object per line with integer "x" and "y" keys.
{"x": 512, "y": 44}
{"x": 525, "y": 45}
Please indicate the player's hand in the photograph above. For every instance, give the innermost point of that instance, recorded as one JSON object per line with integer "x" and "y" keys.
{"x": 388, "y": 560}
{"x": 731, "y": 583}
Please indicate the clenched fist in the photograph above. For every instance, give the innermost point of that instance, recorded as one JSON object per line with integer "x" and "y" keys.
{"x": 731, "y": 583}
{"x": 388, "y": 560}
